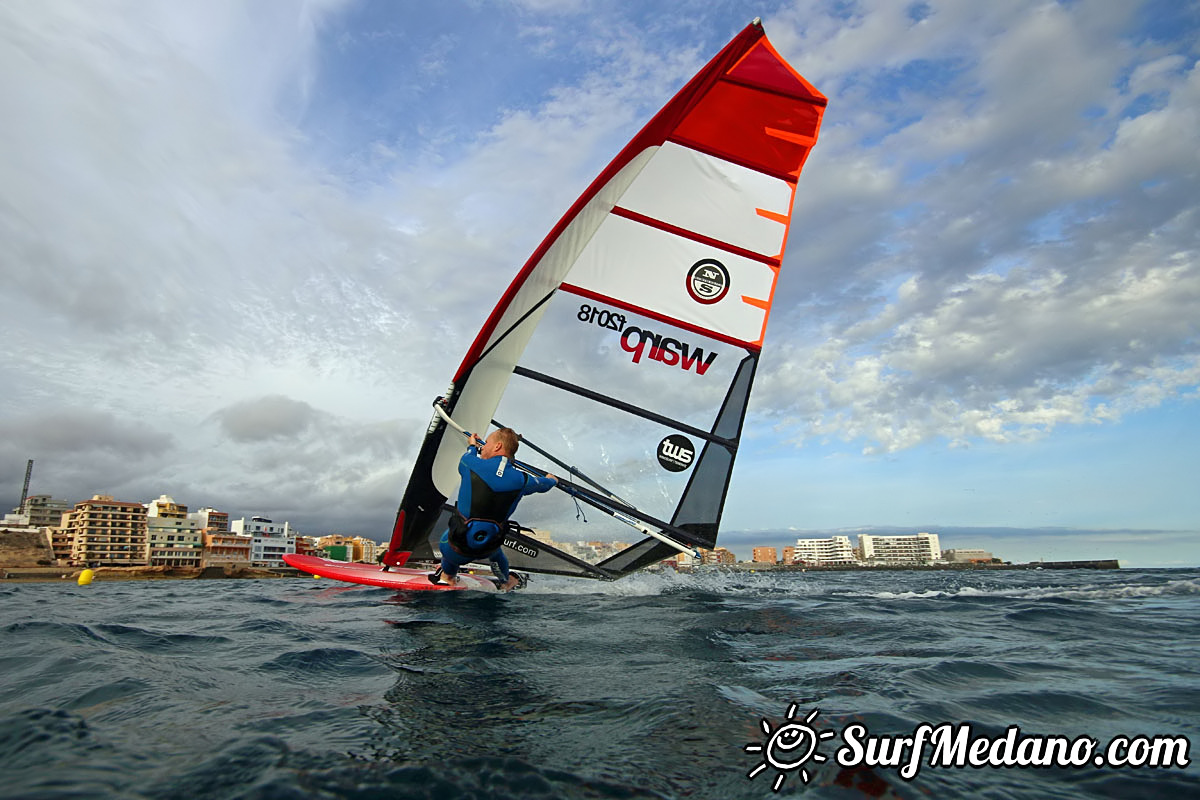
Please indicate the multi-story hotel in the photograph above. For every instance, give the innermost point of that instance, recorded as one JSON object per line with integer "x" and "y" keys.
{"x": 211, "y": 520}
{"x": 718, "y": 555}
{"x": 225, "y": 549}
{"x": 173, "y": 537}
{"x": 268, "y": 541}
{"x": 368, "y": 550}
{"x": 107, "y": 532}
{"x": 923, "y": 548}
{"x": 62, "y": 541}
{"x": 764, "y": 555}
{"x": 222, "y": 548}
{"x": 45, "y": 512}
{"x": 830, "y": 551}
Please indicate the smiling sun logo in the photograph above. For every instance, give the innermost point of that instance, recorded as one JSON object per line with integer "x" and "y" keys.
{"x": 790, "y": 747}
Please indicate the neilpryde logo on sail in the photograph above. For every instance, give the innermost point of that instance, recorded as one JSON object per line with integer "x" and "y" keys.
{"x": 708, "y": 281}
{"x": 676, "y": 453}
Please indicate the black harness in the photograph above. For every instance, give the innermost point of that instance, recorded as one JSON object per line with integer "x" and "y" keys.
{"x": 481, "y": 533}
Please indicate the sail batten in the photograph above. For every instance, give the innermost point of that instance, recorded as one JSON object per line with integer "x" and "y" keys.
{"x": 773, "y": 261}
{"x": 651, "y": 314}
{"x": 637, "y": 323}
{"x": 629, "y": 408}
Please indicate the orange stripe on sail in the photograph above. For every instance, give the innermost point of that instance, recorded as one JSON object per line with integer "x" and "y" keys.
{"x": 757, "y": 302}
{"x": 783, "y": 219}
{"x": 791, "y": 136}
{"x": 765, "y": 304}
{"x": 774, "y": 216}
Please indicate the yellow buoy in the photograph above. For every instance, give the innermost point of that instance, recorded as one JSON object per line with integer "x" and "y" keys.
{"x": 316, "y": 575}
{"x": 85, "y": 577}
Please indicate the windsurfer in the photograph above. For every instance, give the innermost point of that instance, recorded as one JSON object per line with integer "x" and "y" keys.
{"x": 488, "y": 495}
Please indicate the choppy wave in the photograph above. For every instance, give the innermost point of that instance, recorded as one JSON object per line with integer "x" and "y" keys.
{"x": 651, "y": 686}
{"x": 649, "y": 584}
{"x": 1181, "y": 587}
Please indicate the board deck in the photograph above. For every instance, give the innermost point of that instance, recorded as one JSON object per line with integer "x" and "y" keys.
{"x": 400, "y": 578}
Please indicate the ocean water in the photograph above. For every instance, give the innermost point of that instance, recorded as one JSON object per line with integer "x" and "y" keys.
{"x": 650, "y": 687}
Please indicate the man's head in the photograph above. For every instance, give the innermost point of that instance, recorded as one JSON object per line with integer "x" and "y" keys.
{"x": 501, "y": 442}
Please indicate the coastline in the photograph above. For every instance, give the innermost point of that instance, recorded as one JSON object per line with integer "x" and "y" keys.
{"x": 102, "y": 574}
{"x": 750, "y": 566}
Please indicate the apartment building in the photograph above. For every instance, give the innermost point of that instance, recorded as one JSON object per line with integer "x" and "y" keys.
{"x": 44, "y": 511}
{"x": 718, "y": 555}
{"x": 173, "y": 538}
{"x": 831, "y": 551}
{"x": 764, "y": 555}
{"x": 108, "y": 533}
{"x": 211, "y": 520}
{"x": 922, "y": 548}
{"x": 269, "y": 541}
{"x": 225, "y": 549}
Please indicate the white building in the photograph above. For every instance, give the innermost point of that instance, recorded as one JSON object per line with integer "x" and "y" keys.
{"x": 44, "y": 511}
{"x": 923, "y": 548}
{"x": 211, "y": 520}
{"x": 269, "y": 541}
{"x": 16, "y": 521}
{"x": 832, "y": 551}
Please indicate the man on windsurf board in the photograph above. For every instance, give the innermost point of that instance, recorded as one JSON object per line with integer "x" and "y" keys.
{"x": 488, "y": 494}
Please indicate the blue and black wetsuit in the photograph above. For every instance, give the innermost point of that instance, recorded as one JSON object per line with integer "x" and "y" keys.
{"x": 487, "y": 497}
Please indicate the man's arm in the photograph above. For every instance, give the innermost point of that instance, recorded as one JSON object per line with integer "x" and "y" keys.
{"x": 537, "y": 484}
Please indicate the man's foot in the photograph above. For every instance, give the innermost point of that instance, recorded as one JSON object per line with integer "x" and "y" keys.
{"x": 438, "y": 578}
{"x": 510, "y": 584}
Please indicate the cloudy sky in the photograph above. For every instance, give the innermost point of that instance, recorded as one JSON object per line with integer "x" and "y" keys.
{"x": 244, "y": 244}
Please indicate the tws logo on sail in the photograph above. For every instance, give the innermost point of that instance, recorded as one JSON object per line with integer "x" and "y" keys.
{"x": 676, "y": 453}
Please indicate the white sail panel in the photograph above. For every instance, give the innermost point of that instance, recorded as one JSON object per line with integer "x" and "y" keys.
{"x": 716, "y": 198}
{"x": 652, "y": 268}
{"x": 479, "y": 398}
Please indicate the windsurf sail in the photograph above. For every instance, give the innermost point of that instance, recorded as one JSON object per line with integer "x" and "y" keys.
{"x": 625, "y": 349}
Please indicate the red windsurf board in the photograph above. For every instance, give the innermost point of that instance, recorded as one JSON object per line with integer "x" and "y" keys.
{"x": 400, "y": 578}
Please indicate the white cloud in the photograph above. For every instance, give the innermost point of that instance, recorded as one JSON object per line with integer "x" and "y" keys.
{"x": 990, "y": 263}
{"x": 995, "y": 236}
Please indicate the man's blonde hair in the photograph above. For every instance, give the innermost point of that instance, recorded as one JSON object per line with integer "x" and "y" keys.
{"x": 508, "y": 440}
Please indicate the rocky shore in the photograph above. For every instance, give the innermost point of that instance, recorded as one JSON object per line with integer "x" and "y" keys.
{"x": 102, "y": 574}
